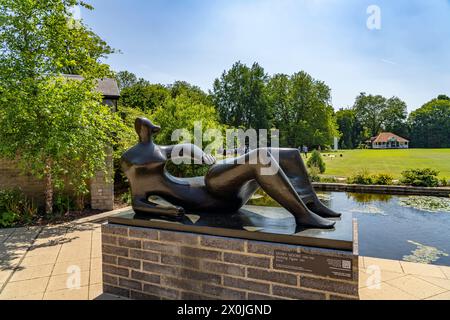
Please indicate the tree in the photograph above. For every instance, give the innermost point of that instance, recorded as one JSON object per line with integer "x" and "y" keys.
{"x": 430, "y": 125}
{"x": 56, "y": 128}
{"x": 190, "y": 91}
{"x": 144, "y": 96}
{"x": 394, "y": 117}
{"x": 240, "y": 98}
{"x": 301, "y": 110}
{"x": 350, "y": 129}
{"x": 125, "y": 79}
{"x": 377, "y": 113}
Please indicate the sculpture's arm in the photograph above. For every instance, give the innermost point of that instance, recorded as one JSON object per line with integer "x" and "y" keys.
{"x": 189, "y": 151}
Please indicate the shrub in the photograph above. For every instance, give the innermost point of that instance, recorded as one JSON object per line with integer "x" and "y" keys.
{"x": 15, "y": 208}
{"x": 314, "y": 174}
{"x": 316, "y": 161}
{"x": 362, "y": 177}
{"x": 63, "y": 203}
{"x": 328, "y": 179}
{"x": 444, "y": 182}
{"x": 383, "y": 179}
{"x": 420, "y": 178}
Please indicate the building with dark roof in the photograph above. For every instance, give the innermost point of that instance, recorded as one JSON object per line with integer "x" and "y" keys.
{"x": 107, "y": 86}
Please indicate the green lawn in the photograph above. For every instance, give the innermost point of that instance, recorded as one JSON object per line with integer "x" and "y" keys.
{"x": 387, "y": 161}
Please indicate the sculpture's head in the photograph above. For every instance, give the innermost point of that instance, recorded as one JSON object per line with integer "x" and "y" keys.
{"x": 145, "y": 129}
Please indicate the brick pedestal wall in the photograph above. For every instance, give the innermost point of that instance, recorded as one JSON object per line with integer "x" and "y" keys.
{"x": 142, "y": 263}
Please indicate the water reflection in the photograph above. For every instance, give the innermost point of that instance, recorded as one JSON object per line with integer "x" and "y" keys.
{"x": 369, "y": 197}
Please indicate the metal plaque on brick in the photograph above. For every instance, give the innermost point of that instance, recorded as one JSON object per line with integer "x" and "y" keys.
{"x": 321, "y": 265}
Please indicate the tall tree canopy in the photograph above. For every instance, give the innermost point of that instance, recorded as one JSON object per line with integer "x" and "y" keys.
{"x": 57, "y": 127}
{"x": 239, "y": 95}
{"x": 144, "y": 95}
{"x": 430, "y": 124}
{"x": 350, "y": 128}
{"x": 377, "y": 113}
{"x": 301, "y": 110}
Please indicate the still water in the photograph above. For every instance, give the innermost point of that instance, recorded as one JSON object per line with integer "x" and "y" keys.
{"x": 388, "y": 229}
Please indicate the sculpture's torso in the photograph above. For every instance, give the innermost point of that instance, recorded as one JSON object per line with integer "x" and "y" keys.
{"x": 144, "y": 165}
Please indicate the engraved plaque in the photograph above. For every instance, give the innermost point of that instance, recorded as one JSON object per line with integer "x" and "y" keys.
{"x": 322, "y": 265}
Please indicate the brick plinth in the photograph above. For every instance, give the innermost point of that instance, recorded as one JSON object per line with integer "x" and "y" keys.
{"x": 142, "y": 263}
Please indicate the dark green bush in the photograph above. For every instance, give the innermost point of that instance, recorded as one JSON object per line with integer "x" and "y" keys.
{"x": 420, "y": 178}
{"x": 316, "y": 161}
{"x": 15, "y": 208}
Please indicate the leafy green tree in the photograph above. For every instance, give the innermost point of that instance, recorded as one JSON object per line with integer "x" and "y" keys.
{"x": 377, "y": 113}
{"x": 301, "y": 110}
{"x": 239, "y": 96}
{"x": 430, "y": 125}
{"x": 125, "y": 79}
{"x": 350, "y": 129}
{"x": 395, "y": 116}
{"x": 56, "y": 128}
{"x": 190, "y": 91}
{"x": 144, "y": 96}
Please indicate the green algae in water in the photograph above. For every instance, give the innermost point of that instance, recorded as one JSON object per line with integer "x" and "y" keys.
{"x": 426, "y": 203}
{"x": 424, "y": 254}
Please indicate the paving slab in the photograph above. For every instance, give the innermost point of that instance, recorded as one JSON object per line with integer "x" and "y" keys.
{"x": 24, "y": 288}
{"x": 67, "y": 281}
{"x": 384, "y": 264}
{"x": 67, "y": 294}
{"x": 421, "y": 269}
{"x": 385, "y": 292}
{"x": 417, "y": 287}
{"x": 28, "y": 273}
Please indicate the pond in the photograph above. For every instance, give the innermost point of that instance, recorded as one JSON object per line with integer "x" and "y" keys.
{"x": 405, "y": 228}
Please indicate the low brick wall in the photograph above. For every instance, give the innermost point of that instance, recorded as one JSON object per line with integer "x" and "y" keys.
{"x": 142, "y": 263}
{"x": 101, "y": 189}
{"x": 397, "y": 190}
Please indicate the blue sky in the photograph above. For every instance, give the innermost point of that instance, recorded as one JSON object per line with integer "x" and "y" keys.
{"x": 196, "y": 40}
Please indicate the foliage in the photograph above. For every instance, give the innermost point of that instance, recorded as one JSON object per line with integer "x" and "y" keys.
{"x": 313, "y": 174}
{"x": 63, "y": 203}
{"x": 301, "y": 110}
{"x": 430, "y": 125}
{"x": 316, "y": 161}
{"x": 362, "y": 177}
{"x": 57, "y": 128}
{"x": 420, "y": 177}
{"x": 67, "y": 123}
{"x": 239, "y": 96}
{"x": 15, "y": 208}
{"x": 125, "y": 79}
{"x": 377, "y": 114}
{"x": 144, "y": 96}
{"x": 350, "y": 128}
{"x": 383, "y": 179}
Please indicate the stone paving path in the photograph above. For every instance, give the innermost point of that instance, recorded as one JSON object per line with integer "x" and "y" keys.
{"x": 45, "y": 262}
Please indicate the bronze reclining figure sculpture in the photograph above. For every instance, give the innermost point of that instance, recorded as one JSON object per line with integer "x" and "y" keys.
{"x": 227, "y": 186}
